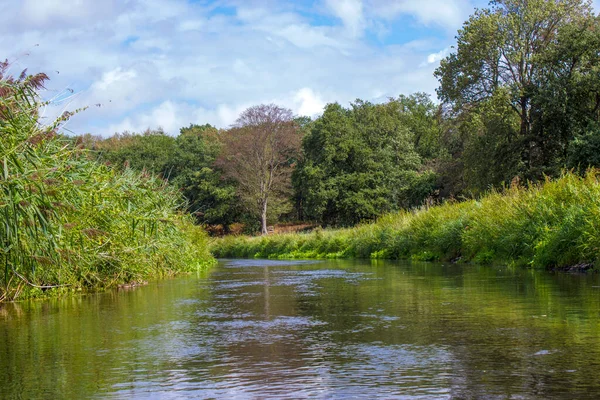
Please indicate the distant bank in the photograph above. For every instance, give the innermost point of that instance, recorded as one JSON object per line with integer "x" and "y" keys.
{"x": 555, "y": 224}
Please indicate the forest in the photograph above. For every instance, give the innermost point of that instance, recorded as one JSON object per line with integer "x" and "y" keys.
{"x": 519, "y": 103}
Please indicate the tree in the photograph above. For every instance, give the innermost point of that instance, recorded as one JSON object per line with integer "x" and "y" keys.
{"x": 508, "y": 53}
{"x": 568, "y": 99}
{"x": 258, "y": 153}
{"x": 419, "y": 115}
{"x": 361, "y": 162}
{"x": 210, "y": 198}
{"x": 186, "y": 161}
{"x": 152, "y": 150}
{"x": 197, "y": 146}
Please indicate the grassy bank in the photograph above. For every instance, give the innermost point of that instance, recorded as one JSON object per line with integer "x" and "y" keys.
{"x": 553, "y": 224}
{"x": 70, "y": 224}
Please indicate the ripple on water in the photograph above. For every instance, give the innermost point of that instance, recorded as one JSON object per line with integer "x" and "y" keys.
{"x": 307, "y": 280}
{"x": 237, "y": 284}
{"x": 266, "y": 263}
{"x": 369, "y": 369}
{"x": 293, "y": 329}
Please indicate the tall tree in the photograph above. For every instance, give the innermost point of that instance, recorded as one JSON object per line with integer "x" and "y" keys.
{"x": 361, "y": 162}
{"x": 258, "y": 153}
{"x": 507, "y": 53}
{"x": 210, "y": 198}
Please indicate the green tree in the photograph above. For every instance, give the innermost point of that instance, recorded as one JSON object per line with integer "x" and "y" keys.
{"x": 360, "y": 163}
{"x": 420, "y": 116}
{"x": 490, "y": 152}
{"x": 210, "y": 197}
{"x": 186, "y": 161}
{"x": 569, "y": 97}
{"x": 152, "y": 150}
{"x": 516, "y": 52}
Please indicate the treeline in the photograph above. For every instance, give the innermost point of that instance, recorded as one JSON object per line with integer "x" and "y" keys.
{"x": 347, "y": 166}
{"x": 186, "y": 161}
{"x": 520, "y": 101}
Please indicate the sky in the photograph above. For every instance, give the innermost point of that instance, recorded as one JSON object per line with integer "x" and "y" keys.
{"x": 139, "y": 64}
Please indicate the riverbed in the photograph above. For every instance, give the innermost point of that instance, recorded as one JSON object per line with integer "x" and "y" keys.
{"x": 313, "y": 329}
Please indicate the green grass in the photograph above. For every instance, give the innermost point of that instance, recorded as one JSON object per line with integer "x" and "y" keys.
{"x": 553, "y": 224}
{"x": 69, "y": 224}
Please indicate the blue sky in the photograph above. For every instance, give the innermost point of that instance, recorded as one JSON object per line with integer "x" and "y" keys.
{"x": 169, "y": 63}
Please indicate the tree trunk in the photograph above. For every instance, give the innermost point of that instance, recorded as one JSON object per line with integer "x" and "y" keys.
{"x": 263, "y": 218}
{"x": 524, "y": 117}
{"x": 524, "y": 132}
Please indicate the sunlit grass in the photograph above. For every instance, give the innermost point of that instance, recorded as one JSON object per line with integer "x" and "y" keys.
{"x": 553, "y": 224}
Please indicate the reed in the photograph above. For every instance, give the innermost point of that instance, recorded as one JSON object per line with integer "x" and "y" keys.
{"x": 70, "y": 224}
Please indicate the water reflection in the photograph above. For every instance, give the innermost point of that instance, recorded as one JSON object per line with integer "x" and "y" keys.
{"x": 255, "y": 328}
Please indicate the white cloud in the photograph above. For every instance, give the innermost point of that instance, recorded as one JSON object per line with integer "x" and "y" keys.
{"x": 305, "y": 36}
{"x": 116, "y": 76}
{"x": 126, "y": 89}
{"x": 191, "y": 25}
{"x": 171, "y": 116}
{"x": 170, "y": 63}
{"x": 166, "y": 116}
{"x": 287, "y": 26}
{"x": 434, "y": 58}
{"x": 351, "y": 14}
{"x": 308, "y": 103}
{"x": 446, "y": 13}
{"x": 58, "y": 14}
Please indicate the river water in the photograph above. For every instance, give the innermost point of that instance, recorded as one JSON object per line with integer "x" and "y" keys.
{"x": 330, "y": 329}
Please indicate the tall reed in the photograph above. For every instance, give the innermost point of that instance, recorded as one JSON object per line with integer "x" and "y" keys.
{"x": 70, "y": 224}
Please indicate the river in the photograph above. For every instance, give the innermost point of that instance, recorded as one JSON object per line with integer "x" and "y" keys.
{"x": 304, "y": 329}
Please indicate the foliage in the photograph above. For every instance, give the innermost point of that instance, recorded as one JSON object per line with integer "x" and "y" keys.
{"x": 361, "y": 162}
{"x": 186, "y": 161}
{"x": 420, "y": 116}
{"x": 210, "y": 198}
{"x": 492, "y": 153}
{"x": 152, "y": 150}
{"x": 536, "y": 60}
{"x": 258, "y": 154}
{"x": 584, "y": 150}
{"x": 70, "y": 223}
{"x": 552, "y": 224}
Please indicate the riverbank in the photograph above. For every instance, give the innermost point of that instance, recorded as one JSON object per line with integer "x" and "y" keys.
{"x": 555, "y": 224}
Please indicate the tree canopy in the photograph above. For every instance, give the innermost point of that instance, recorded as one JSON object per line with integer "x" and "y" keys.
{"x": 362, "y": 162}
{"x": 528, "y": 58}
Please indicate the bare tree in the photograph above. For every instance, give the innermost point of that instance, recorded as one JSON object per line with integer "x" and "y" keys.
{"x": 258, "y": 152}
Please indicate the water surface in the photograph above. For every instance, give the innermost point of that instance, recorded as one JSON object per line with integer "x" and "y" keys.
{"x": 334, "y": 329}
